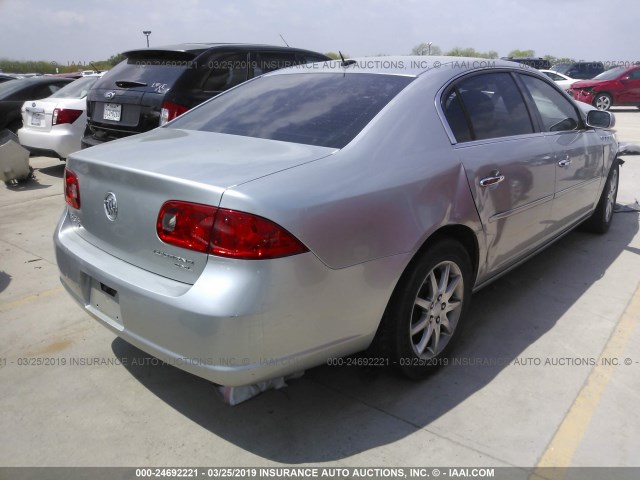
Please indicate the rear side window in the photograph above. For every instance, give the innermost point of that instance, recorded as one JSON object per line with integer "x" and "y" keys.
{"x": 226, "y": 72}
{"x": 493, "y": 107}
{"x": 557, "y": 113}
{"x": 265, "y": 62}
{"x": 327, "y": 109}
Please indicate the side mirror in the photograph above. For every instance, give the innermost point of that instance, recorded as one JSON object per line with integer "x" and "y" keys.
{"x": 600, "y": 119}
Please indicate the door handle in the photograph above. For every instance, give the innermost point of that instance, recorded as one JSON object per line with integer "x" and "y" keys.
{"x": 566, "y": 161}
{"x": 494, "y": 179}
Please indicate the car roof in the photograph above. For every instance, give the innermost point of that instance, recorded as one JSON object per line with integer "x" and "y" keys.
{"x": 411, "y": 66}
{"x": 43, "y": 79}
{"x": 198, "y": 48}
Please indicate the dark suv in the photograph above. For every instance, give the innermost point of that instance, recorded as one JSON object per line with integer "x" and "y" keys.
{"x": 153, "y": 86}
{"x": 579, "y": 70}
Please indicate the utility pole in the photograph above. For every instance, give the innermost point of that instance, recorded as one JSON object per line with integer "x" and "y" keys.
{"x": 147, "y": 33}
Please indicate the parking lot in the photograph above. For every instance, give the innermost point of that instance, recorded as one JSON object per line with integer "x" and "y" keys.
{"x": 547, "y": 372}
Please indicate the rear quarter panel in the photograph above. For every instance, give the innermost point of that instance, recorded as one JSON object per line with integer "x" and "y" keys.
{"x": 383, "y": 194}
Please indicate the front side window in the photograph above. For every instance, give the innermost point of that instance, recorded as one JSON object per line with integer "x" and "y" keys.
{"x": 557, "y": 113}
{"x": 327, "y": 109}
{"x": 493, "y": 107}
{"x": 635, "y": 75}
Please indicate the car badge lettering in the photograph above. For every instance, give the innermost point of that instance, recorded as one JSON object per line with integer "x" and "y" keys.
{"x": 111, "y": 206}
{"x": 181, "y": 262}
{"x": 109, "y": 95}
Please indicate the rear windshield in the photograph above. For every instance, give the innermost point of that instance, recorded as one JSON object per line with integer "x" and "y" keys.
{"x": 325, "y": 109}
{"x": 76, "y": 89}
{"x": 156, "y": 74}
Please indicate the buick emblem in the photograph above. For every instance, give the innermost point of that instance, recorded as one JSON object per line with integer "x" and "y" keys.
{"x": 109, "y": 95}
{"x": 111, "y": 206}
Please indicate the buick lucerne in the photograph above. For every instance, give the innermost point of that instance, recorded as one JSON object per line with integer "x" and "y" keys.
{"x": 318, "y": 210}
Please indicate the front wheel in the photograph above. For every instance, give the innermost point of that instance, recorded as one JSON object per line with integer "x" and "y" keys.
{"x": 602, "y": 101}
{"x": 602, "y": 216}
{"x": 427, "y": 309}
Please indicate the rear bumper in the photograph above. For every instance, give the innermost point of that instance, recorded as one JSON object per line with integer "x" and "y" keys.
{"x": 242, "y": 321}
{"x": 60, "y": 141}
{"x": 90, "y": 141}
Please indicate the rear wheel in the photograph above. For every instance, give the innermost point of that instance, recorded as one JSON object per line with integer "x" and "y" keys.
{"x": 602, "y": 216}
{"x": 427, "y": 309}
{"x": 602, "y": 101}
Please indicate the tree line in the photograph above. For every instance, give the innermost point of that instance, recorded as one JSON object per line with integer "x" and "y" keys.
{"x": 44, "y": 67}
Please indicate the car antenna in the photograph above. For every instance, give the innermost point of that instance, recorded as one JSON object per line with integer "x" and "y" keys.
{"x": 94, "y": 67}
{"x": 285, "y": 42}
{"x": 345, "y": 63}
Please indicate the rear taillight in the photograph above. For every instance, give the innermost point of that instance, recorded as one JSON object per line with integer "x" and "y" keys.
{"x": 223, "y": 232}
{"x": 170, "y": 111}
{"x": 186, "y": 225}
{"x": 65, "y": 115}
{"x": 71, "y": 188}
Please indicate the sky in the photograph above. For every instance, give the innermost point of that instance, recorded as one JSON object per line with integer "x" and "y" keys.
{"x": 80, "y": 31}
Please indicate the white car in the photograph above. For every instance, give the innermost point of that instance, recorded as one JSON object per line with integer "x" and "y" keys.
{"x": 561, "y": 80}
{"x": 53, "y": 126}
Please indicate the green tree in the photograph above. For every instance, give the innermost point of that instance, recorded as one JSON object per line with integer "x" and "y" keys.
{"x": 336, "y": 56}
{"x": 522, "y": 53}
{"x": 471, "y": 52}
{"x": 426, "y": 49}
{"x": 115, "y": 59}
{"x": 553, "y": 60}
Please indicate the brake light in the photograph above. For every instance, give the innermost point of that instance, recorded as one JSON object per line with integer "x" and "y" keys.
{"x": 71, "y": 188}
{"x": 65, "y": 115}
{"x": 170, "y": 111}
{"x": 186, "y": 225}
{"x": 223, "y": 232}
{"x": 246, "y": 236}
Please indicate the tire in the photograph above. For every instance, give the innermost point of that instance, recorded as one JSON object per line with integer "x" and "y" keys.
{"x": 425, "y": 313}
{"x": 600, "y": 220}
{"x": 602, "y": 101}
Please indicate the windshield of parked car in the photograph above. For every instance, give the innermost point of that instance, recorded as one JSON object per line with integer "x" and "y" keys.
{"x": 324, "y": 109}
{"x": 76, "y": 89}
{"x": 610, "y": 74}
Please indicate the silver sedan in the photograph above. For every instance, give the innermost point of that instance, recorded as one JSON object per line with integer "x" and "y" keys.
{"x": 325, "y": 209}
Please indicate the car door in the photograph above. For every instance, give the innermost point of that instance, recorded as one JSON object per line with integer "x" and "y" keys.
{"x": 630, "y": 92}
{"x": 578, "y": 152}
{"x": 509, "y": 166}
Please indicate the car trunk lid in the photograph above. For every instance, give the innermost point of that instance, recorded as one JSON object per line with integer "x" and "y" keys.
{"x": 144, "y": 171}
{"x": 38, "y": 114}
